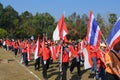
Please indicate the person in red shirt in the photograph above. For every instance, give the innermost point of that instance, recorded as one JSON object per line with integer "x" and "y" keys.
{"x": 93, "y": 51}
{"x": 76, "y": 60}
{"x": 37, "y": 61}
{"x": 24, "y": 52}
{"x": 46, "y": 55}
{"x": 101, "y": 62}
{"x": 15, "y": 46}
{"x": 65, "y": 60}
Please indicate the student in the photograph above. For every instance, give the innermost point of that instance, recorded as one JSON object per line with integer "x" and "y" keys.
{"x": 93, "y": 51}
{"x": 46, "y": 55}
{"x": 37, "y": 61}
{"x": 15, "y": 46}
{"x": 101, "y": 62}
{"x": 65, "y": 60}
{"x": 24, "y": 52}
{"x": 76, "y": 60}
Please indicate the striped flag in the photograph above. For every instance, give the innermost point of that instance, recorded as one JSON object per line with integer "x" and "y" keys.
{"x": 61, "y": 30}
{"x": 37, "y": 48}
{"x": 114, "y": 36}
{"x": 93, "y": 32}
{"x": 87, "y": 56}
{"x": 53, "y": 52}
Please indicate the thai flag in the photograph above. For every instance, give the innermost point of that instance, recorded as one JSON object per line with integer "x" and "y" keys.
{"x": 93, "y": 32}
{"x": 114, "y": 36}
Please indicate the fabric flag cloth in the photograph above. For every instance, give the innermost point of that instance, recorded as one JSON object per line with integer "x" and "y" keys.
{"x": 53, "y": 52}
{"x": 93, "y": 32}
{"x": 44, "y": 50}
{"x": 37, "y": 48}
{"x": 29, "y": 51}
{"x": 87, "y": 58}
{"x": 114, "y": 36}
{"x": 61, "y": 30}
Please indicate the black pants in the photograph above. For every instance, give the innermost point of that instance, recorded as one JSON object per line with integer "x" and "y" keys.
{"x": 75, "y": 64}
{"x": 45, "y": 67}
{"x": 15, "y": 51}
{"x": 37, "y": 63}
{"x": 25, "y": 59}
{"x": 111, "y": 76}
{"x": 64, "y": 70}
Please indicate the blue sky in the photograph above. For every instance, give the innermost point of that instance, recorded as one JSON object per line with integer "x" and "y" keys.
{"x": 57, "y": 7}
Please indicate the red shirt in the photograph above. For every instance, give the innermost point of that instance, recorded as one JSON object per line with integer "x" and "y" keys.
{"x": 46, "y": 54}
{"x": 93, "y": 51}
{"x": 24, "y": 47}
{"x": 15, "y": 46}
{"x": 99, "y": 56}
{"x": 65, "y": 56}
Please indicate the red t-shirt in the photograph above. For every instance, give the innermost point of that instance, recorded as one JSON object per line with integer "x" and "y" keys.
{"x": 46, "y": 53}
{"x": 24, "y": 47}
{"x": 93, "y": 51}
{"x": 65, "y": 56}
{"x": 99, "y": 62}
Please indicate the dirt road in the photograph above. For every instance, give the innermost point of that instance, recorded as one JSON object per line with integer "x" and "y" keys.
{"x": 12, "y": 69}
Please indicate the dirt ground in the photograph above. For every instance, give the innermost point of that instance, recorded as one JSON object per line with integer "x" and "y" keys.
{"x": 12, "y": 69}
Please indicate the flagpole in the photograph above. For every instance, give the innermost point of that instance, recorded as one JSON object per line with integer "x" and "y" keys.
{"x": 61, "y": 43}
{"x": 60, "y": 60}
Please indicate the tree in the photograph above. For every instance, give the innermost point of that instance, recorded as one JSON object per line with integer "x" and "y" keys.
{"x": 83, "y": 25}
{"x": 101, "y": 24}
{"x": 9, "y": 15}
{"x": 1, "y": 8}
{"x": 3, "y": 33}
{"x": 112, "y": 18}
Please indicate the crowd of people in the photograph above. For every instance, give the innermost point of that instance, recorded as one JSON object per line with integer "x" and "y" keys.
{"x": 105, "y": 62}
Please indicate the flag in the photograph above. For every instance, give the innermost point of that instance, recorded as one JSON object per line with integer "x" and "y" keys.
{"x": 114, "y": 36}
{"x": 87, "y": 58}
{"x": 28, "y": 51}
{"x": 93, "y": 32}
{"x": 61, "y": 30}
{"x": 53, "y": 52}
{"x": 65, "y": 32}
{"x": 37, "y": 48}
{"x": 44, "y": 50}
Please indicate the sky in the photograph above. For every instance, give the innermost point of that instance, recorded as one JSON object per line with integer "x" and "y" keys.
{"x": 57, "y": 7}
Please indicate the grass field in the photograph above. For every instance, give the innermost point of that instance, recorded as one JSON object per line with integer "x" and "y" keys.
{"x": 12, "y": 69}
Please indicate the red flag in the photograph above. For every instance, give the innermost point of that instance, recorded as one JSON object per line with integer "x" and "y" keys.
{"x": 37, "y": 48}
{"x": 44, "y": 50}
{"x": 61, "y": 30}
{"x": 87, "y": 57}
{"x": 53, "y": 52}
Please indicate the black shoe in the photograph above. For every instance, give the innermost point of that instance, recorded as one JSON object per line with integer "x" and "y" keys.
{"x": 91, "y": 76}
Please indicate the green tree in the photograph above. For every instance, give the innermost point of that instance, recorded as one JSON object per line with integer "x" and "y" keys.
{"x": 3, "y": 33}
{"x": 112, "y": 18}
{"x": 101, "y": 23}
{"x": 26, "y": 27}
{"x": 9, "y": 15}
{"x": 83, "y": 25}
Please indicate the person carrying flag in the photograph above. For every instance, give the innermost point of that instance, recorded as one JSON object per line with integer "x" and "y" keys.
{"x": 76, "y": 59}
{"x": 46, "y": 55}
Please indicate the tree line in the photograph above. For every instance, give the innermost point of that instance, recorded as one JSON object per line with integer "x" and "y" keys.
{"x": 25, "y": 25}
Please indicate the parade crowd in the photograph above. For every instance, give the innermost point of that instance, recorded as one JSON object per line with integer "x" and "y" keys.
{"x": 105, "y": 62}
